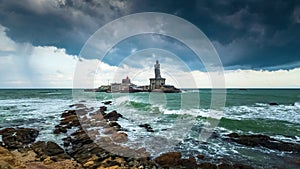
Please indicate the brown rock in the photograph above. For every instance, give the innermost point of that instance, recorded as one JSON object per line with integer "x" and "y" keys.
{"x": 109, "y": 130}
{"x": 98, "y": 117}
{"x": 114, "y": 124}
{"x": 103, "y": 109}
{"x": 207, "y": 166}
{"x": 112, "y": 116}
{"x": 200, "y": 156}
{"x": 47, "y": 148}
{"x": 68, "y": 113}
{"x": 119, "y": 137}
{"x": 69, "y": 119}
{"x": 168, "y": 159}
{"x": 225, "y": 166}
{"x": 6, "y": 157}
{"x": 188, "y": 163}
{"x": 242, "y": 166}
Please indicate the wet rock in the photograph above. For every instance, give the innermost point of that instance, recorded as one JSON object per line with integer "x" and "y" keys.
{"x": 49, "y": 148}
{"x": 273, "y": 104}
{"x": 168, "y": 159}
{"x": 77, "y": 105}
{"x": 68, "y": 113}
{"x": 85, "y": 152}
{"x": 109, "y": 130}
{"x": 67, "y": 141}
{"x": 242, "y": 166}
{"x": 225, "y": 166}
{"x": 103, "y": 109}
{"x": 119, "y": 137}
{"x": 107, "y": 102}
{"x": 200, "y": 156}
{"x": 80, "y": 137}
{"x": 188, "y": 163}
{"x": 116, "y": 125}
{"x": 112, "y": 116}
{"x": 147, "y": 127}
{"x": 17, "y": 138}
{"x": 60, "y": 129}
{"x": 265, "y": 141}
{"x": 207, "y": 166}
{"x": 69, "y": 120}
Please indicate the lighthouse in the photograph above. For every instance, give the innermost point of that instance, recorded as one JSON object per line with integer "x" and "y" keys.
{"x": 158, "y": 82}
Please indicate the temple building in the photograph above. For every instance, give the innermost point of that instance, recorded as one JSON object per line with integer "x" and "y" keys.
{"x": 158, "y": 82}
{"x": 122, "y": 87}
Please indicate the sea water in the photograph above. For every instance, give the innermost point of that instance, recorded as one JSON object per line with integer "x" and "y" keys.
{"x": 176, "y": 118}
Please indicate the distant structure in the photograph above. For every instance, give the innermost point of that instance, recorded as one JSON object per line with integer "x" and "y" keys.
{"x": 158, "y": 82}
{"x": 122, "y": 87}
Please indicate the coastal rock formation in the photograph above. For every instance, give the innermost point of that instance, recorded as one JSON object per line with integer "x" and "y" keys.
{"x": 17, "y": 138}
{"x": 107, "y": 102}
{"x": 46, "y": 155}
{"x": 112, "y": 116}
{"x": 29, "y": 159}
{"x": 168, "y": 159}
{"x": 147, "y": 127}
{"x": 264, "y": 141}
{"x": 97, "y": 148}
{"x": 45, "y": 149}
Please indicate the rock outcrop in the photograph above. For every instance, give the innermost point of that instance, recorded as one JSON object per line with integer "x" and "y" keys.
{"x": 19, "y": 137}
{"x": 264, "y": 141}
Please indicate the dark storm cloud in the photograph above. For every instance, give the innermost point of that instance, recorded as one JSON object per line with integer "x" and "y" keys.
{"x": 247, "y": 34}
{"x": 65, "y": 24}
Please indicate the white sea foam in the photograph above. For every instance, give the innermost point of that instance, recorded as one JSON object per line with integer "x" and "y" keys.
{"x": 297, "y": 104}
{"x": 264, "y": 111}
{"x": 41, "y": 114}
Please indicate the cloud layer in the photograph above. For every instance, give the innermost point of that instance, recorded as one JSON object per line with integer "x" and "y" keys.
{"x": 247, "y": 34}
{"x": 26, "y": 65}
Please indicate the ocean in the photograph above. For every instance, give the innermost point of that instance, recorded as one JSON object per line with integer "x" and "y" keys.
{"x": 177, "y": 119}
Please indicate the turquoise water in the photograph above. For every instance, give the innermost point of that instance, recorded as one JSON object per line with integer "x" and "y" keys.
{"x": 178, "y": 118}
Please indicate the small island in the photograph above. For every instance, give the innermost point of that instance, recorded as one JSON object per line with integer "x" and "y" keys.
{"x": 157, "y": 84}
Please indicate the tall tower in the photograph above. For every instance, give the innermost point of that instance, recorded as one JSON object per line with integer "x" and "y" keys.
{"x": 158, "y": 82}
{"x": 157, "y": 70}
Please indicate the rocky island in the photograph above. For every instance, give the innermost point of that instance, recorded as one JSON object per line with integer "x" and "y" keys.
{"x": 157, "y": 84}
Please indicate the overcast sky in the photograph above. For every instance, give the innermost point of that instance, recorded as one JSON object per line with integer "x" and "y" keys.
{"x": 258, "y": 41}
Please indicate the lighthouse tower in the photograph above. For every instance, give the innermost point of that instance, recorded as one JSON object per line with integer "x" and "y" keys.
{"x": 158, "y": 82}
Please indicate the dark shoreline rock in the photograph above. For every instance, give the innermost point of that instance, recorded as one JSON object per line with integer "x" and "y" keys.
{"x": 19, "y": 137}
{"x": 147, "y": 127}
{"x": 113, "y": 116}
{"x": 264, "y": 141}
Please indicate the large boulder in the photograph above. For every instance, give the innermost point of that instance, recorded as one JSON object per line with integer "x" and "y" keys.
{"x": 119, "y": 137}
{"x": 49, "y": 148}
{"x": 168, "y": 159}
{"x": 17, "y": 138}
{"x": 112, "y": 116}
{"x": 264, "y": 141}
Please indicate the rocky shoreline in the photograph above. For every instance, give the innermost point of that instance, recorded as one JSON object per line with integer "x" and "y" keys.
{"x": 93, "y": 150}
